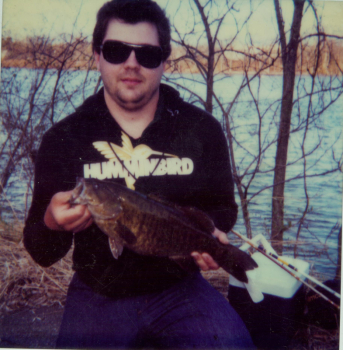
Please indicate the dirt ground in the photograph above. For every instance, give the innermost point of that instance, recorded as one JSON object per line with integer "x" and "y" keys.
{"x": 30, "y": 328}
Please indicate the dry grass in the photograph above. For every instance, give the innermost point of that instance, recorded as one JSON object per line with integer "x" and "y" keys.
{"x": 23, "y": 282}
{"x": 218, "y": 279}
{"x": 314, "y": 338}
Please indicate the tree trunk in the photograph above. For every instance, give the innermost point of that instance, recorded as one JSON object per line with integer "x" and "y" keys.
{"x": 339, "y": 257}
{"x": 241, "y": 192}
{"x": 210, "y": 59}
{"x": 289, "y": 58}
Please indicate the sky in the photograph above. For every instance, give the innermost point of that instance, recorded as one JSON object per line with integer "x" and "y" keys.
{"x": 23, "y": 18}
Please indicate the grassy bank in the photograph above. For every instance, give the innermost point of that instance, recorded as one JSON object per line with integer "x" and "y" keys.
{"x": 23, "y": 282}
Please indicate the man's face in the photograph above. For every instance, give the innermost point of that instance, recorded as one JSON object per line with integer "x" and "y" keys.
{"x": 129, "y": 84}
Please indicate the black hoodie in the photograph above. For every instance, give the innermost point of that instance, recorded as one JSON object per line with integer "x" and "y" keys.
{"x": 199, "y": 177}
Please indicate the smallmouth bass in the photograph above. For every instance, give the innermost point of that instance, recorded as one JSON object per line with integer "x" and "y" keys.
{"x": 149, "y": 226}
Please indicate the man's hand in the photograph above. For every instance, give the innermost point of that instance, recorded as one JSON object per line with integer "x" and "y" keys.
{"x": 61, "y": 216}
{"x": 204, "y": 260}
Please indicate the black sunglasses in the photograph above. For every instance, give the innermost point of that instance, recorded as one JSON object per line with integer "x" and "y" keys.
{"x": 116, "y": 52}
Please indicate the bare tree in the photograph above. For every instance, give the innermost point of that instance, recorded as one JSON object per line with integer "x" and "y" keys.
{"x": 36, "y": 96}
{"x": 205, "y": 57}
{"x": 210, "y": 57}
{"x": 290, "y": 58}
{"x": 201, "y": 53}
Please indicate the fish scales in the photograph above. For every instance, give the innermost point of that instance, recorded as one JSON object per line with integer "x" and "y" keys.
{"x": 154, "y": 233}
{"x": 152, "y": 227}
{"x": 148, "y": 225}
{"x": 149, "y": 221}
{"x": 160, "y": 231}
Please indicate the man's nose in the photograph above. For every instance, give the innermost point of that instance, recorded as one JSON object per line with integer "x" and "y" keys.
{"x": 132, "y": 62}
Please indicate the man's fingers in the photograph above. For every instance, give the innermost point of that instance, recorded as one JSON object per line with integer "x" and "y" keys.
{"x": 212, "y": 265}
{"x": 205, "y": 261}
{"x": 83, "y": 225}
{"x": 86, "y": 222}
{"x": 61, "y": 215}
{"x": 61, "y": 198}
{"x": 80, "y": 219}
{"x": 65, "y": 216}
{"x": 200, "y": 261}
{"x": 221, "y": 236}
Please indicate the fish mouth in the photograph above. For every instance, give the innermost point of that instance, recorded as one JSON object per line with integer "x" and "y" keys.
{"x": 78, "y": 192}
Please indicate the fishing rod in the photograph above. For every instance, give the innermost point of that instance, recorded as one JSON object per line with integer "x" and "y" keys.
{"x": 314, "y": 280}
{"x": 286, "y": 266}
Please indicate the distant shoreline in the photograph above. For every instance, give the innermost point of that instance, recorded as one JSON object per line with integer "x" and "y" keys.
{"x": 38, "y": 52}
{"x": 233, "y": 72}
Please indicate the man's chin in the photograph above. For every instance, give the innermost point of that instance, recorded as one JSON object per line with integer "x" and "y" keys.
{"x": 132, "y": 100}
{"x": 131, "y": 103}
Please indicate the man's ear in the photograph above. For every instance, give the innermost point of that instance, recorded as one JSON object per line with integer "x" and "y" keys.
{"x": 97, "y": 60}
{"x": 164, "y": 63}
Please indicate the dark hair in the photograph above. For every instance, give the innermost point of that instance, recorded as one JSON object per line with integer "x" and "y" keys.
{"x": 133, "y": 11}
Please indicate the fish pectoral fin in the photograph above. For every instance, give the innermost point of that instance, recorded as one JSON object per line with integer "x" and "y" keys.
{"x": 116, "y": 247}
{"x": 126, "y": 234}
{"x": 187, "y": 263}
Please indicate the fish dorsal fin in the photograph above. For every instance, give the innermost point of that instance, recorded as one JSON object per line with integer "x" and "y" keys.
{"x": 157, "y": 198}
{"x": 200, "y": 219}
{"x": 126, "y": 234}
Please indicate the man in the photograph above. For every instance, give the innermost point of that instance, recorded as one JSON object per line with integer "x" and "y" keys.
{"x": 134, "y": 301}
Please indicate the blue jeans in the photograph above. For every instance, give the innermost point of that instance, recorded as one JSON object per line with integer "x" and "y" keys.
{"x": 191, "y": 314}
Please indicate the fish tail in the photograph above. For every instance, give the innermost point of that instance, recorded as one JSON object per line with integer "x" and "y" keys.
{"x": 236, "y": 262}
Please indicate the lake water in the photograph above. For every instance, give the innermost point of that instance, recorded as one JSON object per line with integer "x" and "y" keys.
{"x": 255, "y": 112}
